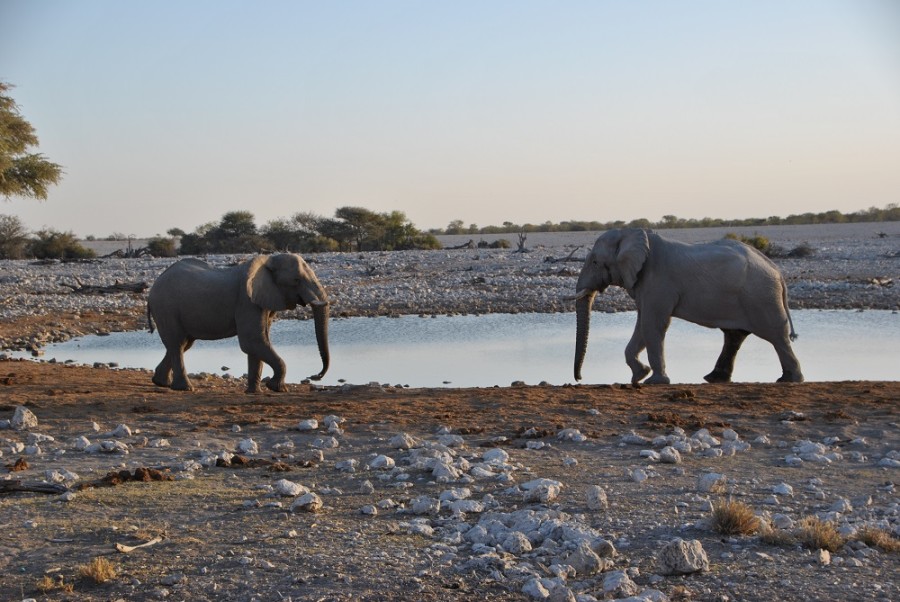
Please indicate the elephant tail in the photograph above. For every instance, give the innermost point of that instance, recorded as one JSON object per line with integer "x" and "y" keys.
{"x": 150, "y": 325}
{"x": 787, "y": 310}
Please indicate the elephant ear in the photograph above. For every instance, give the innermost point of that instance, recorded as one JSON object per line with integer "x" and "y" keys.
{"x": 261, "y": 286}
{"x": 634, "y": 248}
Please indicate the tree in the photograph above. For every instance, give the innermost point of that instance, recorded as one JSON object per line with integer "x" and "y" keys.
{"x": 21, "y": 173}
{"x": 13, "y": 237}
{"x": 53, "y": 244}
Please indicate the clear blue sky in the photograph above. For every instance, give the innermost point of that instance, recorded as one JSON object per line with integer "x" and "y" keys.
{"x": 170, "y": 113}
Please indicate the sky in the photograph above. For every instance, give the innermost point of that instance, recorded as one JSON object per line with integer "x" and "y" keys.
{"x": 168, "y": 114}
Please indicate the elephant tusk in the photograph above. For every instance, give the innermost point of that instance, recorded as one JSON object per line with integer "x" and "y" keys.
{"x": 579, "y": 295}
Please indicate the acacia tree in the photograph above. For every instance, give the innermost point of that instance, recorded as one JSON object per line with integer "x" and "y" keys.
{"x": 21, "y": 173}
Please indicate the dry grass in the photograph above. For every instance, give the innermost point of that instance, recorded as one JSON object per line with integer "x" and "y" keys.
{"x": 772, "y": 536}
{"x": 100, "y": 570}
{"x": 734, "y": 518}
{"x": 817, "y": 534}
{"x": 879, "y": 538}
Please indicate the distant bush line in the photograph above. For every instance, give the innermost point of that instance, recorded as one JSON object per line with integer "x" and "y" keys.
{"x": 890, "y": 213}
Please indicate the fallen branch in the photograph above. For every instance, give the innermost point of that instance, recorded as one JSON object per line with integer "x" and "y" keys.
{"x": 118, "y": 287}
{"x": 120, "y": 547}
{"x": 465, "y": 245}
{"x": 569, "y": 257}
{"x": 19, "y": 486}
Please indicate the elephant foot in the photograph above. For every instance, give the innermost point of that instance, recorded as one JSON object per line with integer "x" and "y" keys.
{"x": 277, "y": 386}
{"x": 717, "y": 376}
{"x": 186, "y": 386}
{"x": 790, "y": 377}
{"x": 159, "y": 382}
{"x": 640, "y": 373}
{"x": 657, "y": 379}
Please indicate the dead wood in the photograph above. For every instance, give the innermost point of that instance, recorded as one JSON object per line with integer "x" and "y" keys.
{"x": 33, "y": 487}
{"x": 118, "y": 287}
{"x": 569, "y": 257}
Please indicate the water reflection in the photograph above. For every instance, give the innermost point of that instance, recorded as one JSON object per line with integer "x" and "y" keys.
{"x": 501, "y": 348}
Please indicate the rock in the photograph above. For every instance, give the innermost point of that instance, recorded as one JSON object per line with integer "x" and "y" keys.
{"x": 669, "y": 455}
{"x": 619, "y": 585}
{"x": 783, "y": 489}
{"x": 571, "y": 434}
{"x": 310, "y": 424}
{"x": 711, "y": 482}
{"x": 516, "y": 543}
{"x": 541, "y": 491}
{"x": 309, "y": 502}
{"x": 107, "y": 447}
{"x": 638, "y": 475}
{"x": 495, "y": 456}
{"x": 402, "y": 441}
{"x": 382, "y": 462}
{"x": 596, "y": 498}
{"x": 681, "y": 557}
{"x": 585, "y": 561}
{"x": 248, "y": 447}
{"x": 23, "y": 419}
{"x": 823, "y": 557}
{"x": 535, "y": 589}
{"x": 288, "y": 488}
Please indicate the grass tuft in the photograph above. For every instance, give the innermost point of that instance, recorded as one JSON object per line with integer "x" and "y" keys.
{"x": 734, "y": 518}
{"x": 879, "y": 538}
{"x": 99, "y": 570}
{"x": 817, "y": 534}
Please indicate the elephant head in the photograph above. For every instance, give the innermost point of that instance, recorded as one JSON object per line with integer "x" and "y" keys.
{"x": 279, "y": 282}
{"x": 616, "y": 259}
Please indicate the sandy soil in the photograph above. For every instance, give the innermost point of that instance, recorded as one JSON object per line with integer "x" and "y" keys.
{"x": 225, "y": 535}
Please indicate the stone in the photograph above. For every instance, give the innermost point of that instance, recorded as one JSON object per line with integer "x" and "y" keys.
{"x": 618, "y": 584}
{"x": 23, "y": 419}
{"x": 669, "y": 455}
{"x": 288, "y": 488}
{"x": 711, "y": 482}
{"x": 382, "y": 462}
{"x": 309, "y": 502}
{"x": 310, "y": 424}
{"x": 585, "y": 561}
{"x": 596, "y": 498}
{"x": 680, "y": 557}
{"x": 248, "y": 447}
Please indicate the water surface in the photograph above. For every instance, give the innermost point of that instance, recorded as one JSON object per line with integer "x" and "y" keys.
{"x": 497, "y": 349}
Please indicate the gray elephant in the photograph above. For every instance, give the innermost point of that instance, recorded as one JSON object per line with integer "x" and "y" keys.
{"x": 192, "y": 300}
{"x": 725, "y": 284}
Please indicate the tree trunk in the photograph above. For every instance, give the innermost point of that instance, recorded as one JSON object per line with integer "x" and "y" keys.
{"x": 583, "y": 313}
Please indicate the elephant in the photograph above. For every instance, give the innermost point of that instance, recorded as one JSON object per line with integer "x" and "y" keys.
{"x": 724, "y": 284}
{"x": 192, "y": 300}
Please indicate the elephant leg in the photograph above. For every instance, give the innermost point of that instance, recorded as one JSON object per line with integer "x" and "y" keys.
{"x": 725, "y": 364}
{"x": 180, "y": 380}
{"x": 654, "y": 334}
{"x": 162, "y": 376}
{"x": 790, "y": 366}
{"x": 254, "y": 371}
{"x": 639, "y": 370}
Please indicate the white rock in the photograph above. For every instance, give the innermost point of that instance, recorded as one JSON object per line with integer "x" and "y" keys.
{"x": 382, "y": 462}
{"x": 248, "y": 446}
{"x": 619, "y": 585}
{"x": 680, "y": 557}
{"x": 107, "y": 447}
{"x": 783, "y": 489}
{"x": 348, "y": 465}
{"x": 632, "y": 438}
{"x": 534, "y": 589}
{"x": 823, "y": 557}
{"x": 451, "y": 440}
{"x": 638, "y": 475}
{"x": 325, "y": 443}
{"x": 23, "y": 419}
{"x": 730, "y": 435}
{"x": 571, "y": 434}
{"x": 309, "y": 502}
{"x": 403, "y": 441}
{"x": 288, "y": 488}
{"x": 585, "y": 561}
{"x": 650, "y": 454}
{"x": 516, "y": 543}
{"x": 669, "y": 455}
{"x": 425, "y": 505}
{"x": 367, "y": 488}
{"x": 711, "y": 482}
{"x": 842, "y": 505}
{"x": 310, "y": 424}
{"x": 495, "y": 456}
{"x": 596, "y": 498}
{"x": 541, "y": 491}
{"x": 369, "y": 510}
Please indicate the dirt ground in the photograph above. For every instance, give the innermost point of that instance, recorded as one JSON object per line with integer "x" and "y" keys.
{"x": 225, "y": 537}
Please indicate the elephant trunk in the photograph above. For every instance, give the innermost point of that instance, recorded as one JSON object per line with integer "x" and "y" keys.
{"x": 320, "y": 317}
{"x": 583, "y": 313}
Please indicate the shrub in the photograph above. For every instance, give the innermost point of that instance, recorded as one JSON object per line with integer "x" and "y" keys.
{"x": 801, "y": 251}
{"x": 99, "y": 570}
{"x": 51, "y": 244}
{"x": 816, "y": 534}
{"x": 879, "y": 538}
{"x": 734, "y": 518}
{"x": 161, "y": 247}
{"x": 760, "y": 243}
{"x": 13, "y": 237}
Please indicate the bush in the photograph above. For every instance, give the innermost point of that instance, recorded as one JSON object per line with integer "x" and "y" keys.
{"x": 734, "y": 518}
{"x": 760, "y": 243}
{"x": 161, "y": 247}
{"x": 13, "y": 237}
{"x": 51, "y": 244}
